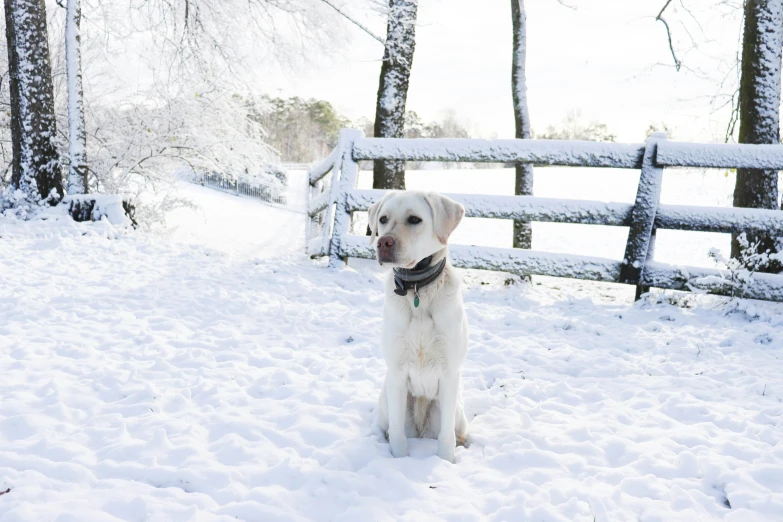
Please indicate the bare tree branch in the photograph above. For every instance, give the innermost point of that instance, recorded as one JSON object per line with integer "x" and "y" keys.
{"x": 735, "y": 116}
{"x": 569, "y": 6}
{"x": 677, "y": 62}
{"x": 354, "y": 21}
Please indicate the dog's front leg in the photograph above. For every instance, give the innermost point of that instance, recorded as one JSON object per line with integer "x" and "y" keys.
{"x": 447, "y": 397}
{"x": 397, "y": 397}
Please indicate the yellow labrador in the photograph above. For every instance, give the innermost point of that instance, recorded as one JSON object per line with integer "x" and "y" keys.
{"x": 425, "y": 333}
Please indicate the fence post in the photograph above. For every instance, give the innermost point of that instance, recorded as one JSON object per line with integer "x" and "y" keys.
{"x": 643, "y": 289}
{"x": 334, "y": 187}
{"x": 311, "y": 190}
{"x": 639, "y": 248}
{"x": 347, "y": 181}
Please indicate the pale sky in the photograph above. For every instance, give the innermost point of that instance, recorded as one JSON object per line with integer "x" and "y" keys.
{"x": 599, "y": 58}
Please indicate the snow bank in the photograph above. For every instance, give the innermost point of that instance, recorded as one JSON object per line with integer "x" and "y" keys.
{"x": 197, "y": 379}
{"x": 94, "y": 207}
{"x": 176, "y": 382}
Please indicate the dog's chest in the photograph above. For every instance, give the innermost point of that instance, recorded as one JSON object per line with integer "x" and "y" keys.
{"x": 423, "y": 358}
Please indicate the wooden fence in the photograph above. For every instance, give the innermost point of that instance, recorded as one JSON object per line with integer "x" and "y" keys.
{"x": 332, "y": 200}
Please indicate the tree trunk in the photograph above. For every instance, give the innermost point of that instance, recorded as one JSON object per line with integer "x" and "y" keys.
{"x": 393, "y": 88}
{"x": 36, "y": 166}
{"x": 523, "y": 184}
{"x": 77, "y": 135}
{"x": 759, "y": 106}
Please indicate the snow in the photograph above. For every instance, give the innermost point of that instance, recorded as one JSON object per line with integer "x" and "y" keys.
{"x": 109, "y": 206}
{"x": 239, "y": 226}
{"x": 215, "y": 373}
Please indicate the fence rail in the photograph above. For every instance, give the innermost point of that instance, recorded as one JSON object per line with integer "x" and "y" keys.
{"x": 540, "y": 152}
{"x": 275, "y": 194}
{"x": 330, "y": 207}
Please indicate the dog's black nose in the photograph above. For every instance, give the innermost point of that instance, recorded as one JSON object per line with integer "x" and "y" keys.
{"x": 386, "y": 242}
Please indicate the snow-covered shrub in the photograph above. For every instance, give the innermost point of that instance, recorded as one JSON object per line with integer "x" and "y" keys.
{"x": 117, "y": 210}
{"x": 193, "y": 100}
{"x": 276, "y": 172}
{"x": 17, "y": 203}
{"x": 738, "y": 272}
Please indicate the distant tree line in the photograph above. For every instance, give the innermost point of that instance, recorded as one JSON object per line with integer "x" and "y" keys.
{"x": 573, "y": 127}
{"x": 300, "y": 130}
{"x": 306, "y": 130}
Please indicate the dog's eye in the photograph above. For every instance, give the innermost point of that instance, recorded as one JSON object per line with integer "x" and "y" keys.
{"x": 383, "y": 220}
{"x": 413, "y": 220}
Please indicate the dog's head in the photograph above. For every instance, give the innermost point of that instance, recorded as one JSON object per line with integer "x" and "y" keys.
{"x": 408, "y": 226}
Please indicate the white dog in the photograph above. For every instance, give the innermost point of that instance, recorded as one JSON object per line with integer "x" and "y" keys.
{"x": 425, "y": 333}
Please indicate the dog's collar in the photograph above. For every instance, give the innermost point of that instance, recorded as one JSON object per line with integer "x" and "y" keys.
{"x": 417, "y": 277}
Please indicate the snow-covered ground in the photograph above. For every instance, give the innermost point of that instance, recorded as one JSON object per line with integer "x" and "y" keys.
{"x": 215, "y": 373}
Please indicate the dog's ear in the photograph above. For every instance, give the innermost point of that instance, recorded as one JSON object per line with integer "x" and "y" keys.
{"x": 372, "y": 216}
{"x": 446, "y": 214}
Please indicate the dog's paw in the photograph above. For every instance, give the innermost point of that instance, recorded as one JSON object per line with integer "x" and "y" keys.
{"x": 446, "y": 450}
{"x": 399, "y": 447}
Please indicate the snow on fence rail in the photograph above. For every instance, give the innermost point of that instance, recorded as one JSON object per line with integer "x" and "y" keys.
{"x": 331, "y": 204}
{"x": 246, "y": 186}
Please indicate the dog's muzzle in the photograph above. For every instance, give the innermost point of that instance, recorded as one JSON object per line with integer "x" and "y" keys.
{"x": 385, "y": 248}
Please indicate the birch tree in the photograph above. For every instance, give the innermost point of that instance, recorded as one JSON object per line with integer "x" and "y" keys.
{"x": 523, "y": 180}
{"x": 36, "y": 166}
{"x": 759, "y": 108}
{"x": 77, "y": 133}
{"x": 393, "y": 88}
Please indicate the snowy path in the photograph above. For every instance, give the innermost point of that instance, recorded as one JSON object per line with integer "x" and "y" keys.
{"x": 240, "y": 226}
{"x": 153, "y": 379}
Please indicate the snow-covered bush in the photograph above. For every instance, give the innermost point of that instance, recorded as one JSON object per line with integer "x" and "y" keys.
{"x": 193, "y": 99}
{"x": 738, "y": 272}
